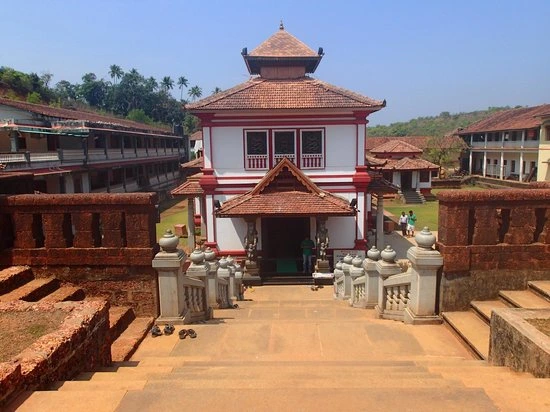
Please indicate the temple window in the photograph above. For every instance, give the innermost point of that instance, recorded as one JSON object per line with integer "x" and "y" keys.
{"x": 312, "y": 148}
{"x": 284, "y": 145}
{"x": 256, "y": 150}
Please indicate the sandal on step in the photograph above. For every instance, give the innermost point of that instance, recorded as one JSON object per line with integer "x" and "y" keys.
{"x": 183, "y": 333}
{"x": 155, "y": 331}
{"x": 192, "y": 334}
{"x": 168, "y": 329}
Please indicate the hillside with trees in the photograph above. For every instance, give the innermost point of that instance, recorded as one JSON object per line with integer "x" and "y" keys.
{"x": 127, "y": 94}
{"x": 433, "y": 125}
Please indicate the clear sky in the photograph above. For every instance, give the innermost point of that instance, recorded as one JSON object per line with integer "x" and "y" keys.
{"x": 422, "y": 56}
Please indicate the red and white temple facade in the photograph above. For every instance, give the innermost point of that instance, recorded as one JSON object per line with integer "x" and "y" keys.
{"x": 284, "y": 154}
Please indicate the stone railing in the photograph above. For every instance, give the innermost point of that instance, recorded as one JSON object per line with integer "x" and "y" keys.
{"x": 492, "y": 240}
{"x": 365, "y": 287}
{"x": 101, "y": 242}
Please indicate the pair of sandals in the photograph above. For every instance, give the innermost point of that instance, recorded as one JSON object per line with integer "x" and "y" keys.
{"x": 187, "y": 332}
{"x": 168, "y": 330}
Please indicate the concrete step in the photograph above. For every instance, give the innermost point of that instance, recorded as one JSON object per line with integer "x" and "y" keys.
{"x": 473, "y": 331}
{"x": 542, "y": 287}
{"x": 32, "y": 291}
{"x": 13, "y": 277}
{"x": 116, "y": 374}
{"x": 119, "y": 319}
{"x": 127, "y": 343}
{"x": 524, "y": 299}
{"x": 485, "y": 307}
{"x": 56, "y": 401}
{"x": 450, "y": 399}
{"x": 267, "y": 382}
{"x": 64, "y": 294}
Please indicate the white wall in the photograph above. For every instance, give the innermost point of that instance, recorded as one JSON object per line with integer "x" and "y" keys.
{"x": 230, "y": 233}
{"x": 341, "y": 232}
{"x": 228, "y": 150}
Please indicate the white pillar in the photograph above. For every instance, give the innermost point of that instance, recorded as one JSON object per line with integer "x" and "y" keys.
{"x": 521, "y": 163}
{"x": 191, "y": 240}
{"x": 484, "y": 164}
{"x": 360, "y": 219}
{"x": 501, "y": 165}
{"x": 85, "y": 182}
{"x": 206, "y": 145}
{"x": 209, "y": 217}
{"x": 380, "y": 223}
{"x": 470, "y": 162}
{"x": 69, "y": 183}
{"x": 169, "y": 265}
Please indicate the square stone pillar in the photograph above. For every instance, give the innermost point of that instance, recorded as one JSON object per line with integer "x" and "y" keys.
{"x": 169, "y": 266}
{"x": 371, "y": 282}
{"x": 385, "y": 267}
{"x": 425, "y": 262}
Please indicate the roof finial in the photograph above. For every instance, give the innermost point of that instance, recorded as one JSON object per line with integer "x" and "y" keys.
{"x": 281, "y": 26}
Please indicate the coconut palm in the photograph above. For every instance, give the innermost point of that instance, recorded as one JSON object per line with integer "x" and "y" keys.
{"x": 115, "y": 71}
{"x": 216, "y": 90}
{"x": 195, "y": 92}
{"x": 182, "y": 82}
{"x": 167, "y": 83}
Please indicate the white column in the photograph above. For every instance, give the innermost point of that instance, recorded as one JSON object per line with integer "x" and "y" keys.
{"x": 361, "y": 211}
{"x": 69, "y": 183}
{"x": 85, "y": 182}
{"x": 521, "y": 162}
{"x": 361, "y": 133}
{"x": 209, "y": 217}
{"x": 206, "y": 146}
{"x": 484, "y": 164}
{"x": 380, "y": 223}
{"x": 191, "y": 240}
{"x": 470, "y": 163}
{"x": 501, "y": 165}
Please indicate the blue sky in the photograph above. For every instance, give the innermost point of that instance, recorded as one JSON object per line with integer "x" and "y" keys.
{"x": 423, "y": 57}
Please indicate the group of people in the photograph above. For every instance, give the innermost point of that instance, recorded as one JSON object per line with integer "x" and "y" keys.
{"x": 407, "y": 223}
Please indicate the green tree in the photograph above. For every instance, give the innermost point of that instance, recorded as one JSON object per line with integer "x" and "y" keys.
{"x": 216, "y": 90}
{"x": 138, "y": 115}
{"x": 167, "y": 83}
{"x": 34, "y": 97}
{"x": 195, "y": 92}
{"x": 444, "y": 151}
{"x": 116, "y": 73}
{"x": 182, "y": 82}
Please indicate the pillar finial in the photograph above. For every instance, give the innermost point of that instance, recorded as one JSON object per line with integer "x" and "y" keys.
{"x": 281, "y": 26}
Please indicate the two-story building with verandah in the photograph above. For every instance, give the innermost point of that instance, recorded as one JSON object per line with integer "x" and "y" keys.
{"x": 284, "y": 157}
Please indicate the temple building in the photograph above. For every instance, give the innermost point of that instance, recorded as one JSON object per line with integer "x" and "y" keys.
{"x": 283, "y": 158}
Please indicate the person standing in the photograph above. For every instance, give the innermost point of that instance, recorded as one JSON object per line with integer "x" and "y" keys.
{"x": 307, "y": 246}
{"x": 403, "y": 221}
{"x": 411, "y": 222}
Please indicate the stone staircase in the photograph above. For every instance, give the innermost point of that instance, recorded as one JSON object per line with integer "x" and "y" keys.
{"x": 412, "y": 197}
{"x": 288, "y": 347}
{"x": 127, "y": 330}
{"x": 472, "y": 326}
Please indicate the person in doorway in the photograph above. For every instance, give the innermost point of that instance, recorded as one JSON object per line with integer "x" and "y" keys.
{"x": 411, "y": 222}
{"x": 307, "y": 246}
{"x": 403, "y": 221}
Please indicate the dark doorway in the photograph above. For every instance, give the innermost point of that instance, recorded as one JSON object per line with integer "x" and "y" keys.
{"x": 281, "y": 238}
{"x": 406, "y": 180}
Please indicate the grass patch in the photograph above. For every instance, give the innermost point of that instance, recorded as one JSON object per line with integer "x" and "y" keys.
{"x": 21, "y": 329}
{"x": 176, "y": 214}
{"x": 426, "y": 214}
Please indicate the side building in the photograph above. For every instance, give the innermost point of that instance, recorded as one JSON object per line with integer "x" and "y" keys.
{"x": 511, "y": 144}
{"x": 75, "y": 151}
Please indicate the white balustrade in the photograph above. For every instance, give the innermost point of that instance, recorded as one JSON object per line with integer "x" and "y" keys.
{"x": 312, "y": 161}
{"x": 254, "y": 162}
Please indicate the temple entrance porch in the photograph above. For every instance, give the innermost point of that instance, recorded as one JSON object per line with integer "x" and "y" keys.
{"x": 282, "y": 255}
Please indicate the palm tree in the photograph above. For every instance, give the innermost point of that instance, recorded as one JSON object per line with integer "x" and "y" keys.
{"x": 195, "y": 92}
{"x": 167, "y": 83}
{"x": 216, "y": 90}
{"x": 182, "y": 82}
{"x": 115, "y": 72}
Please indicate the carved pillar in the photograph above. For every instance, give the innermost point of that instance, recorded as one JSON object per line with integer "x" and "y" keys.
{"x": 322, "y": 241}
{"x": 200, "y": 269}
{"x": 346, "y": 266}
{"x": 371, "y": 277}
{"x": 251, "y": 249}
{"x": 385, "y": 268}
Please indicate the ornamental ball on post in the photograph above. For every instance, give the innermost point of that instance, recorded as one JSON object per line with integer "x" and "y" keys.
{"x": 425, "y": 239}
{"x": 388, "y": 255}
{"x": 169, "y": 242}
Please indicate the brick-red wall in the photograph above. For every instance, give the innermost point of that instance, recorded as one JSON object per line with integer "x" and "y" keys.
{"x": 491, "y": 240}
{"x": 104, "y": 243}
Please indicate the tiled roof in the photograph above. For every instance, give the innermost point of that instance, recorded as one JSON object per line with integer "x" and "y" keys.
{"x": 420, "y": 142}
{"x": 374, "y": 161}
{"x": 301, "y": 93}
{"x": 196, "y": 135}
{"x": 282, "y": 44}
{"x": 513, "y": 119}
{"x": 286, "y": 190}
{"x": 191, "y": 188}
{"x": 408, "y": 163}
{"x": 395, "y": 146}
{"x": 197, "y": 162}
{"x": 70, "y": 114}
{"x": 379, "y": 185}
